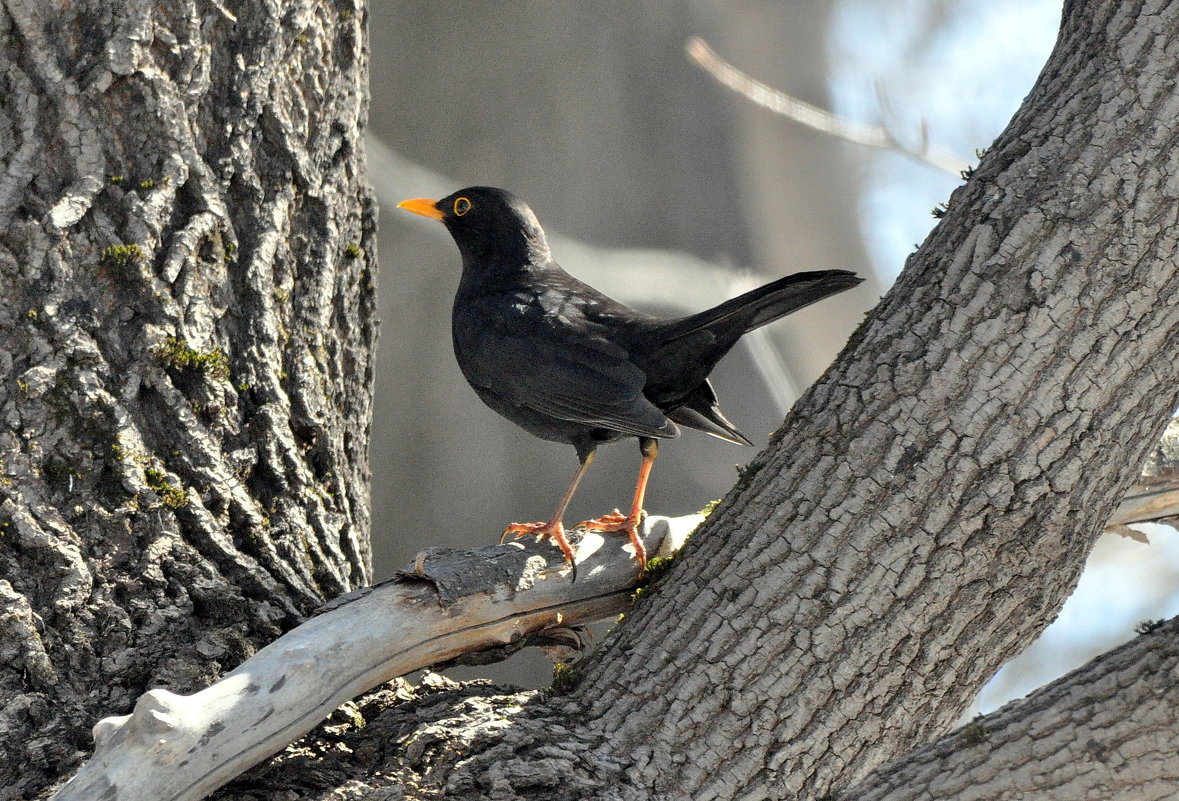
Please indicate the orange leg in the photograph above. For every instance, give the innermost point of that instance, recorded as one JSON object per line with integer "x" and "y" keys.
{"x": 553, "y": 527}
{"x": 616, "y": 521}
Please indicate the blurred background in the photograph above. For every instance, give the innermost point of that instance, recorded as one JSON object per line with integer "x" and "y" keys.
{"x": 671, "y": 192}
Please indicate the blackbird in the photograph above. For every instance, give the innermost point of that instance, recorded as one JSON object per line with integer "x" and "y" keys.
{"x": 569, "y": 364}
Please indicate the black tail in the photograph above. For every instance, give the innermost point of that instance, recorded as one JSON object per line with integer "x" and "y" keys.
{"x": 702, "y": 412}
{"x": 684, "y": 351}
{"x": 763, "y": 305}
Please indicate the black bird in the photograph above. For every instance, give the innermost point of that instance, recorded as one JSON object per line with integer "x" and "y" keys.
{"x": 569, "y": 364}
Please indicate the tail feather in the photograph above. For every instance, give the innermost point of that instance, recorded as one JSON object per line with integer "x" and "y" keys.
{"x": 677, "y": 371}
{"x": 765, "y": 304}
{"x": 702, "y": 412}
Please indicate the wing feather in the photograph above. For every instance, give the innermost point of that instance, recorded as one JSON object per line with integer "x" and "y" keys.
{"x": 582, "y": 380}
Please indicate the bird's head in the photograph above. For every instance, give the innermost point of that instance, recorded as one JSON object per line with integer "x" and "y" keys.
{"x": 487, "y": 224}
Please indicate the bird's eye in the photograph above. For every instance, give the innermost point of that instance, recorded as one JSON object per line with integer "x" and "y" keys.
{"x": 461, "y": 206}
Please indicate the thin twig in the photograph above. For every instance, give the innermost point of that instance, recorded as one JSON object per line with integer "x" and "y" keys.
{"x": 814, "y": 117}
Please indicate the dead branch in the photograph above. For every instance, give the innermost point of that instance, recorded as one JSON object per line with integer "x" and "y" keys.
{"x": 1154, "y": 497}
{"x": 180, "y": 748}
{"x": 814, "y": 117}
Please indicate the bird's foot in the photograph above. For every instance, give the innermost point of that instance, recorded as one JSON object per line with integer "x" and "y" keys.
{"x": 552, "y": 529}
{"x": 616, "y": 522}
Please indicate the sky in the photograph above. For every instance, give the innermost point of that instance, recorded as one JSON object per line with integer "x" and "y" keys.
{"x": 964, "y": 74}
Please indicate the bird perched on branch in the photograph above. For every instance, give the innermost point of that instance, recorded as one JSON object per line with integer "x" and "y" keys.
{"x": 569, "y": 364}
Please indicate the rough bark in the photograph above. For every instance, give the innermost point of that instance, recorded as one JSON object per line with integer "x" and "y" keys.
{"x": 187, "y": 327}
{"x": 929, "y": 504}
{"x": 1106, "y": 730}
{"x": 920, "y": 517}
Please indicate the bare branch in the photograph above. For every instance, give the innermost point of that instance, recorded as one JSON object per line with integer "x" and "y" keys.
{"x": 814, "y": 117}
{"x": 1154, "y": 498}
{"x": 180, "y": 748}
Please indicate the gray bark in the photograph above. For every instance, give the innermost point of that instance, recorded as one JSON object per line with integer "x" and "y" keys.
{"x": 187, "y": 336}
{"x": 920, "y": 517}
{"x": 925, "y": 509}
{"x": 1106, "y": 730}
{"x": 929, "y": 504}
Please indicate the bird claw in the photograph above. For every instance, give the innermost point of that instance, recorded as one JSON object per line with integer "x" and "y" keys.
{"x": 552, "y": 529}
{"x": 518, "y": 530}
{"x": 616, "y": 522}
{"x": 610, "y": 523}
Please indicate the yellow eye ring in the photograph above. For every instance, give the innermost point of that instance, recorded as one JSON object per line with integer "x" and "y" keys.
{"x": 461, "y": 206}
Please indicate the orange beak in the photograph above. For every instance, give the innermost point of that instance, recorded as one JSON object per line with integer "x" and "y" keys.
{"x": 423, "y": 206}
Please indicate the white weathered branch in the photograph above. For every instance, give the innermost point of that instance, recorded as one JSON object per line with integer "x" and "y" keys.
{"x": 180, "y": 748}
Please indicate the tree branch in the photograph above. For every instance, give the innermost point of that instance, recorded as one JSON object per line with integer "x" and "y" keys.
{"x": 1106, "y": 730}
{"x": 1154, "y": 498}
{"x": 814, "y": 117}
{"x": 180, "y": 748}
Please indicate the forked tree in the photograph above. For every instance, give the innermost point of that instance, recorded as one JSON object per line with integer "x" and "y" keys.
{"x": 188, "y": 329}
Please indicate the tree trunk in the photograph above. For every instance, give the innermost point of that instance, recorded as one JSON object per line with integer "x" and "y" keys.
{"x": 928, "y": 506}
{"x": 186, "y": 241}
{"x": 919, "y": 518}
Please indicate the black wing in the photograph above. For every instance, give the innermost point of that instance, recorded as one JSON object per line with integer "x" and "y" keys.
{"x": 563, "y": 373}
